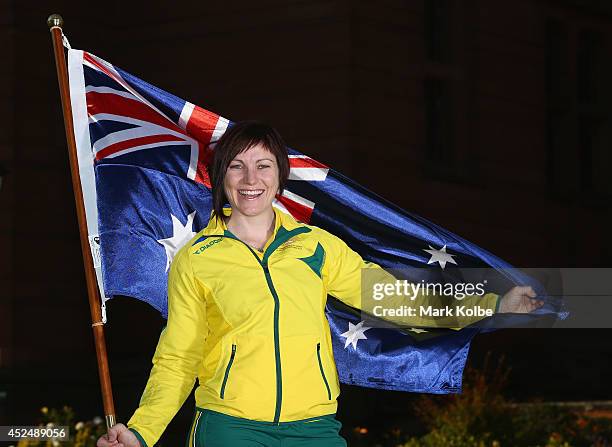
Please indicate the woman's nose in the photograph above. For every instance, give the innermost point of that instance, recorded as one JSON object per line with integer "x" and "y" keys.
{"x": 250, "y": 176}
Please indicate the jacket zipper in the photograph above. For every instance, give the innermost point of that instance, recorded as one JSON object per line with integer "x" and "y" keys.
{"x": 279, "y": 376}
{"x": 323, "y": 372}
{"x": 264, "y": 265}
{"x": 227, "y": 370}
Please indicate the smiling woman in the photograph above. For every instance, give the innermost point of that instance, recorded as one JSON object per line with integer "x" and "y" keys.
{"x": 246, "y": 315}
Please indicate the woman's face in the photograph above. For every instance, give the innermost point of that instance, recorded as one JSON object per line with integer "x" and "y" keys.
{"x": 251, "y": 181}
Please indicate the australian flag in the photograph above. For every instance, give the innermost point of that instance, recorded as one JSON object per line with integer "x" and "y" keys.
{"x": 143, "y": 156}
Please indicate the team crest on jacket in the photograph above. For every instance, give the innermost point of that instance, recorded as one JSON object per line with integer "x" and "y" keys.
{"x": 289, "y": 244}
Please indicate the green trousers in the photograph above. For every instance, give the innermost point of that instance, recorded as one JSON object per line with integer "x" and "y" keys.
{"x": 214, "y": 429}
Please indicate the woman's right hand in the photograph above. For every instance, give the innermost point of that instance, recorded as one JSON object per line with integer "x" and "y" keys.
{"x": 118, "y": 436}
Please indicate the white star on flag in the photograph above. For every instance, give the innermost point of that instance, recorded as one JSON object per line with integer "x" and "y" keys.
{"x": 440, "y": 256}
{"x": 354, "y": 334}
{"x": 180, "y": 236}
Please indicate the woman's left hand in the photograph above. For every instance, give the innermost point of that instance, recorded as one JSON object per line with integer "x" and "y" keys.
{"x": 519, "y": 300}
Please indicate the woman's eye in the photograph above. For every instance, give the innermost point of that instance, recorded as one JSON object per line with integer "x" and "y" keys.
{"x": 237, "y": 166}
{"x": 263, "y": 166}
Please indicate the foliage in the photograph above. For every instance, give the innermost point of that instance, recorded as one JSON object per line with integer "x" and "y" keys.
{"x": 82, "y": 433}
{"x": 482, "y": 417}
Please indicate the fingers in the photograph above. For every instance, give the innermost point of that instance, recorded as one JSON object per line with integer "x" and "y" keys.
{"x": 536, "y": 303}
{"x": 528, "y": 298}
{"x": 104, "y": 442}
{"x": 526, "y": 290}
{"x": 111, "y": 438}
{"x": 533, "y": 304}
{"x": 112, "y": 435}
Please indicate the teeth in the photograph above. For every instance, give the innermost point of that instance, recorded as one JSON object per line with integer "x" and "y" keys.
{"x": 248, "y": 192}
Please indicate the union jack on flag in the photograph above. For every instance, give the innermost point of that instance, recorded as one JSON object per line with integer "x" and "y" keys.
{"x": 143, "y": 154}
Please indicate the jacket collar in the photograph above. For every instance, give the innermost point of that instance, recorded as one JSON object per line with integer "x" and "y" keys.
{"x": 285, "y": 228}
{"x": 282, "y": 220}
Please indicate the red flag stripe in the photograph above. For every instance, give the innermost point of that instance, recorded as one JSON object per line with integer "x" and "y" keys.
{"x": 201, "y": 126}
{"x": 204, "y": 159}
{"x": 297, "y": 210}
{"x": 101, "y": 67}
{"x": 305, "y": 162}
{"x": 120, "y": 105}
{"x": 140, "y": 141}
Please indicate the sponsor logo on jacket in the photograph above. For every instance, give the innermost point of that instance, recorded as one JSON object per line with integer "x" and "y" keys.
{"x": 207, "y": 245}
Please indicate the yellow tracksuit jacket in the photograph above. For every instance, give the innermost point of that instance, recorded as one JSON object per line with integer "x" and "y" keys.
{"x": 251, "y": 326}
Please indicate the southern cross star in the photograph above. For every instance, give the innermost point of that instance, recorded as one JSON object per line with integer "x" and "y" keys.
{"x": 440, "y": 256}
{"x": 354, "y": 334}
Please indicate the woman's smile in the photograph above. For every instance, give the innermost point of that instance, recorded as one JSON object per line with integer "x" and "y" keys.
{"x": 251, "y": 194}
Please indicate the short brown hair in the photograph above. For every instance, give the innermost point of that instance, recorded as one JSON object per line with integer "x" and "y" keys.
{"x": 238, "y": 138}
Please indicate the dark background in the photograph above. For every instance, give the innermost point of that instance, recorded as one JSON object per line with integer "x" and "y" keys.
{"x": 491, "y": 118}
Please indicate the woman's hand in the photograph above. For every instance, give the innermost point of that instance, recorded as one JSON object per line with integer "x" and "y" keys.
{"x": 118, "y": 436}
{"x": 519, "y": 300}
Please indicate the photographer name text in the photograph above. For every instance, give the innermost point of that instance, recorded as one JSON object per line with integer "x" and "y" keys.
{"x": 432, "y": 311}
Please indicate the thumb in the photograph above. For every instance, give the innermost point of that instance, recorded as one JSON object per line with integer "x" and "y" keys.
{"x": 112, "y": 434}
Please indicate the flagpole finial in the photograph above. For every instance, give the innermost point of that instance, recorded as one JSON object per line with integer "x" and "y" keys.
{"x": 55, "y": 20}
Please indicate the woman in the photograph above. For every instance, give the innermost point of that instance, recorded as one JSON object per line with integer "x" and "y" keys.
{"x": 246, "y": 301}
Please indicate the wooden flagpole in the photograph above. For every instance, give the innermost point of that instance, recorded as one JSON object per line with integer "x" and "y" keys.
{"x": 55, "y": 23}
